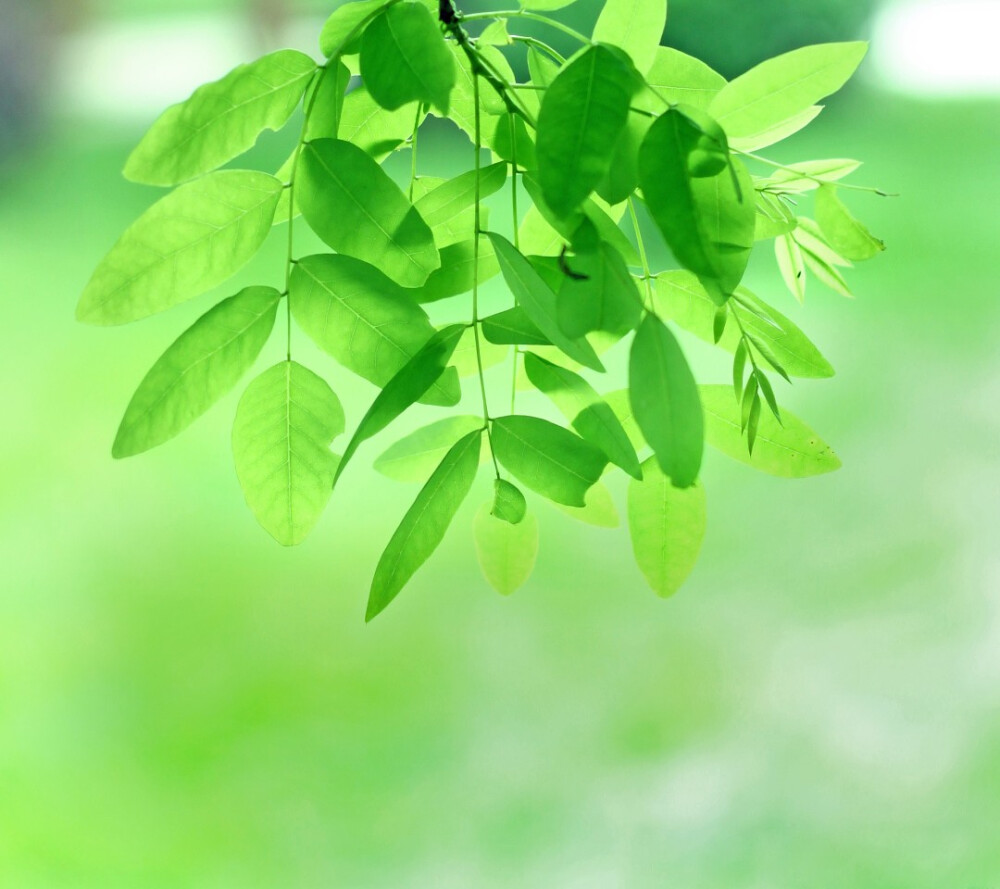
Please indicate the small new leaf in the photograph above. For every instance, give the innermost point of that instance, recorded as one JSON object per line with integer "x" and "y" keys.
{"x": 509, "y": 504}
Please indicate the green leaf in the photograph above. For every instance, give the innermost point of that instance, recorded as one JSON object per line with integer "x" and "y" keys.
{"x": 370, "y": 324}
{"x": 708, "y": 223}
{"x": 623, "y": 174}
{"x": 326, "y": 108}
{"x": 404, "y": 58}
{"x": 545, "y": 5}
{"x": 353, "y": 205}
{"x": 543, "y": 70}
{"x": 676, "y": 78}
{"x": 371, "y": 127}
{"x": 635, "y": 26}
{"x": 513, "y": 327}
{"x": 791, "y": 450}
{"x": 679, "y": 297}
{"x": 790, "y": 264}
{"x": 506, "y": 552}
{"x": 607, "y": 299}
{"x": 409, "y": 384}
{"x": 342, "y": 29}
{"x": 285, "y": 423}
{"x": 774, "y": 217}
{"x": 539, "y": 302}
{"x": 463, "y": 108}
{"x": 503, "y": 146}
{"x": 201, "y": 366}
{"x": 784, "y": 87}
{"x": 621, "y": 403}
{"x": 585, "y": 410}
{"x": 600, "y": 510}
{"x": 665, "y": 401}
{"x": 467, "y": 358}
{"x": 509, "y": 504}
{"x": 581, "y": 119}
{"x": 221, "y": 120}
{"x": 449, "y": 199}
{"x": 802, "y": 177}
{"x": 769, "y": 135}
{"x": 667, "y": 526}
{"x": 458, "y": 271}
{"x": 425, "y": 523}
{"x": 846, "y": 235}
{"x": 413, "y": 458}
{"x": 547, "y": 458}
{"x": 186, "y": 243}
{"x": 495, "y": 34}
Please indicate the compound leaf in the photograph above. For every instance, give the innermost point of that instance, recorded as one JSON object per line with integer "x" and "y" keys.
{"x": 201, "y": 366}
{"x": 413, "y": 458}
{"x": 404, "y": 58}
{"x": 285, "y": 423}
{"x": 425, "y": 523}
{"x": 221, "y": 120}
{"x": 186, "y": 243}
{"x": 547, "y": 458}
{"x": 667, "y": 527}
{"x": 789, "y": 449}
{"x": 665, "y": 401}
{"x": 370, "y": 324}
{"x": 353, "y": 205}
{"x": 506, "y": 552}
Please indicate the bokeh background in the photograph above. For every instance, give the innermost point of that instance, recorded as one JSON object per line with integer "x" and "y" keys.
{"x": 184, "y": 703}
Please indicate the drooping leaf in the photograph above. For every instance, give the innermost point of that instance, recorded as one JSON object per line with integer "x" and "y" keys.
{"x": 448, "y": 199}
{"x": 201, "y": 366}
{"x": 771, "y": 134}
{"x": 599, "y": 511}
{"x": 585, "y": 409}
{"x": 539, "y": 302}
{"x": 675, "y": 78}
{"x": 790, "y": 264}
{"x": 582, "y": 116}
{"x": 353, "y": 205}
{"x": 605, "y": 299}
{"x": 846, "y": 235}
{"x": 547, "y": 458}
{"x": 413, "y": 458}
{"x": 707, "y": 222}
{"x": 520, "y": 142}
{"x": 186, "y": 243}
{"x": 623, "y": 174}
{"x": 784, "y": 87}
{"x": 513, "y": 327}
{"x": 285, "y": 423}
{"x": 621, "y": 403}
{"x": 221, "y": 120}
{"x": 463, "y": 109}
{"x": 371, "y": 127}
{"x": 665, "y": 401}
{"x": 509, "y": 504}
{"x": 635, "y": 26}
{"x": 774, "y": 217}
{"x": 326, "y": 107}
{"x": 810, "y": 175}
{"x": 425, "y": 523}
{"x": 370, "y": 324}
{"x": 790, "y": 449}
{"x": 506, "y": 552}
{"x": 408, "y": 386}
{"x": 342, "y": 30}
{"x": 458, "y": 271}
{"x": 404, "y": 58}
{"x": 679, "y": 297}
{"x": 667, "y": 527}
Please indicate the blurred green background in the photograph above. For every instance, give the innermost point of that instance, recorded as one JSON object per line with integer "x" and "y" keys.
{"x": 184, "y": 703}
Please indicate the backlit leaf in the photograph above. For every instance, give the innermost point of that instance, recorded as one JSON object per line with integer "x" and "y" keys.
{"x": 547, "y": 458}
{"x": 665, "y": 401}
{"x": 667, "y": 527}
{"x": 326, "y": 107}
{"x": 353, "y": 205}
{"x": 425, "y": 523}
{"x": 221, "y": 120}
{"x": 846, "y": 235}
{"x": 506, "y": 552}
{"x": 186, "y": 243}
{"x": 458, "y": 271}
{"x": 606, "y": 299}
{"x": 413, "y": 458}
{"x": 791, "y": 450}
{"x": 285, "y": 423}
{"x": 201, "y": 366}
{"x": 635, "y": 26}
{"x": 509, "y": 504}
{"x": 599, "y": 511}
{"x": 677, "y": 78}
{"x": 790, "y": 264}
{"x": 513, "y": 327}
{"x": 371, "y": 127}
{"x": 448, "y": 199}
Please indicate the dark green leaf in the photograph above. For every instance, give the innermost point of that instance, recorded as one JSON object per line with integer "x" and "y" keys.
{"x": 370, "y": 324}
{"x": 513, "y": 327}
{"x": 547, "y": 458}
{"x": 353, "y": 205}
{"x": 404, "y": 58}
{"x": 665, "y": 401}
{"x": 221, "y": 120}
{"x": 539, "y": 302}
{"x": 667, "y": 526}
{"x": 285, "y": 423}
{"x": 606, "y": 299}
{"x": 509, "y": 504}
{"x": 201, "y": 366}
{"x": 186, "y": 243}
{"x": 425, "y": 523}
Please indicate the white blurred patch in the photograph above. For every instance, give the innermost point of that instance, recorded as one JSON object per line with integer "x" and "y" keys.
{"x": 134, "y": 69}
{"x": 938, "y": 47}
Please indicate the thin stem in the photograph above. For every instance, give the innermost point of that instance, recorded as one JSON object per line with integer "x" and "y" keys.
{"x": 776, "y": 165}
{"x": 539, "y": 44}
{"x": 475, "y": 273}
{"x": 517, "y": 240}
{"x": 413, "y": 149}
{"x": 647, "y": 275}
{"x": 531, "y": 16}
